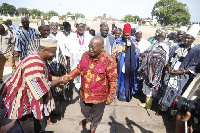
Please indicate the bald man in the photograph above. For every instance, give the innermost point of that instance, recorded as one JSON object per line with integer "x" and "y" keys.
{"x": 98, "y": 72}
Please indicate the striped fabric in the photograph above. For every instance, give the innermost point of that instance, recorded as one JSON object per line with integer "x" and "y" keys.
{"x": 152, "y": 67}
{"x": 34, "y": 45}
{"x": 23, "y": 39}
{"x": 26, "y": 91}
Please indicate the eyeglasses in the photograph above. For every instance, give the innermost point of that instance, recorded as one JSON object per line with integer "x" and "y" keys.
{"x": 92, "y": 47}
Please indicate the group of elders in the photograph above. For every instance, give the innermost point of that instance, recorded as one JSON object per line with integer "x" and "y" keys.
{"x": 109, "y": 65}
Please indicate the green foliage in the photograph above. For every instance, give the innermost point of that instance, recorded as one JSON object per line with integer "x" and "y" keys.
{"x": 51, "y": 13}
{"x": 171, "y": 12}
{"x": 131, "y": 18}
{"x": 79, "y": 15}
{"x": 8, "y": 9}
{"x": 35, "y": 12}
{"x": 22, "y": 10}
{"x": 69, "y": 13}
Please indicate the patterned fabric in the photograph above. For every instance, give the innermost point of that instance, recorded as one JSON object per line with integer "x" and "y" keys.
{"x": 34, "y": 45}
{"x": 23, "y": 39}
{"x": 153, "y": 64}
{"x": 6, "y": 41}
{"x": 98, "y": 77}
{"x": 124, "y": 92}
{"x": 26, "y": 91}
{"x": 185, "y": 60}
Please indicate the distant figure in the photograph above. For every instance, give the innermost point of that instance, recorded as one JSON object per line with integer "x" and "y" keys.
{"x": 141, "y": 43}
{"x": 13, "y": 26}
{"x": 92, "y": 32}
{"x": 67, "y": 28}
{"x": 6, "y": 50}
{"x": 54, "y": 23}
{"x": 24, "y": 37}
{"x": 133, "y": 32}
{"x": 108, "y": 38}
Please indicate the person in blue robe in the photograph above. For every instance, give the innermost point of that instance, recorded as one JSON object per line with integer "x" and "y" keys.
{"x": 128, "y": 64}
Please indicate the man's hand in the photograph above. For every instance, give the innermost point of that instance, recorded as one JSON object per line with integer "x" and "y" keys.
{"x": 63, "y": 80}
{"x": 180, "y": 118}
{"x": 183, "y": 116}
{"x": 109, "y": 101}
{"x": 176, "y": 72}
{"x": 169, "y": 68}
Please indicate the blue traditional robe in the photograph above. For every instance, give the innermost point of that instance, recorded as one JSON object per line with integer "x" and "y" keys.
{"x": 189, "y": 62}
{"x": 127, "y": 82}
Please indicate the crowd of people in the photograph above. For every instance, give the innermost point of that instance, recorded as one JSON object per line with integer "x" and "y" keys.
{"x": 103, "y": 66}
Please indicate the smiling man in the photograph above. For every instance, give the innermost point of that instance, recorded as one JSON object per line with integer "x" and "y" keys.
{"x": 98, "y": 72}
{"x": 183, "y": 60}
{"x": 108, "y": 38}
{"x": 75, "y": 45}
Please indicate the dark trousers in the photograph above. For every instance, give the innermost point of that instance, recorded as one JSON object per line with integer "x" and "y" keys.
{"x": 29, "y": 124}
{"x": 92, "y": 112}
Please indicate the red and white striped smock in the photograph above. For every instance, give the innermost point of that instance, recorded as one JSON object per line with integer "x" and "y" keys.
{"x": 27, "y": 90}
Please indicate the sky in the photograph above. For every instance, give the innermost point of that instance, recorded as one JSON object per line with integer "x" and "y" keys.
{"x": 93, "y": 8}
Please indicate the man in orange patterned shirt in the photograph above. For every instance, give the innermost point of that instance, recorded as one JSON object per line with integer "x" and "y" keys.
{"x": 98, "y": 72}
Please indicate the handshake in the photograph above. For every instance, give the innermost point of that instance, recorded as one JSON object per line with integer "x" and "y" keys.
{"x": 64, "y": 80}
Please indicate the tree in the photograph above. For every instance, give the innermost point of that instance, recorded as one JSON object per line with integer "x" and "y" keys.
{"x": 129, "y": 18}
{"x": 79, "y": 15}
{"x": 35, "y": 12}
{"x": 136, "y": 18}
{"x": 22, "y": 11}
{"x": 51, "y": 13}
{"x": 69, "y": 13}
{"x": 8, "y": 9}
{"x": 171, "y": 12}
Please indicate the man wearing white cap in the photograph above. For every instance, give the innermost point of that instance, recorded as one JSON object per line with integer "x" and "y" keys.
{"x": 30, "y": 85}
{"x": 183, "y": 60}
{"x": 5, "y": 23}
{"x": 181, "y": 33}
{"x": 54, "y": 21}
{"x": 77, "y": 44}
{"x": 141, "y": 44}
{"x": 24, "y": 37}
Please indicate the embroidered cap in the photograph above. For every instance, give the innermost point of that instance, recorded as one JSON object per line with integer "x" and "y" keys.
{"x": 79, "y": 21}
{"x": 48, "y": 42}
{"x": 54, "y": 19}
{"x": 138, "y": 29}
{"x": 42, "y": 22}
{"x": 194, "y": 30}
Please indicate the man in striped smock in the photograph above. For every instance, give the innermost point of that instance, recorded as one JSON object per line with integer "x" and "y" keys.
{"x": 25, "y": 95}
{"x": 24, "y": 37}
{"x": 44, "y": 29}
